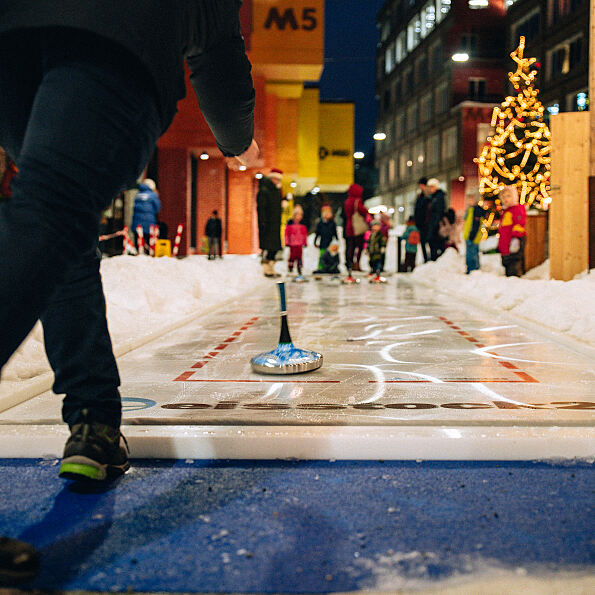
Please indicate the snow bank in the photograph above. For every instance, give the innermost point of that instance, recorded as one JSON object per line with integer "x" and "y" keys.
{"x": 146, "y": 294}
{"x": 567, "y": 307}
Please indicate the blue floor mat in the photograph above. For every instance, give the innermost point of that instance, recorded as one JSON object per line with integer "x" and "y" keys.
{"x": 299, "y": 527}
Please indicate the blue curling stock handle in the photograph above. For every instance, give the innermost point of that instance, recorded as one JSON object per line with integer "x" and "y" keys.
{"x": 281, "y": 286}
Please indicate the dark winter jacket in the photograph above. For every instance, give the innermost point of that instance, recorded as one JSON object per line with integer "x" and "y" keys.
{"x": 146, "y": 207}
{"x": 156, "y": 35}
{"x": 437, "y": 209}
{"x": 329, "y": 263}
{"x": 354, "y": 200}
{"x": 213, "y": 227}
{"x": 376, "y": 245}
{"x": 325, "y": 232}
{"x": 268, "y": 206}
{"x": 420, "y": 214}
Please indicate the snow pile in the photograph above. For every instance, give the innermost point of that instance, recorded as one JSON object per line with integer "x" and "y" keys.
{"x": 144, "y": 295}
{"x": 564, "y": 306}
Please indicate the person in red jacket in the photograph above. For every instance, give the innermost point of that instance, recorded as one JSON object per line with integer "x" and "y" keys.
{"x": 511, "y": 243}
{"x": 355, "y": 213}
{"x": 296, "y": 237}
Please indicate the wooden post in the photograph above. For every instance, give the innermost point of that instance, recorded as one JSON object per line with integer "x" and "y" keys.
{"x": 592, "y": 137}
{"x": 569, "y": 211}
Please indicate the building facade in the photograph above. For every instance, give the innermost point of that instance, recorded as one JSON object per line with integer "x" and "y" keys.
{"x": 439, "y": 74}
{"x": 436, "y": 111}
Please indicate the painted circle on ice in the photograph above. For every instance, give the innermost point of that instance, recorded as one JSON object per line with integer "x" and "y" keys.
{"x": 136, "y": 404}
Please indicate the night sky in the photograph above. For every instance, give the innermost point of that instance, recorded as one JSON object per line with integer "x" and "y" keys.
{"x": 350, "y": 61}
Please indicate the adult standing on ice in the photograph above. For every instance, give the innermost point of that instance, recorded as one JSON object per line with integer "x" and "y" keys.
{"x": 146, "y": 207}
{"x": 268, "y": 207}
{"x": 356, "y": 225}
{"x": 87, "y": 89}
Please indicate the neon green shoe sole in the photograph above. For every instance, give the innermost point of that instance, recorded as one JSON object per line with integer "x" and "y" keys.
{"x": 81, "y": 471}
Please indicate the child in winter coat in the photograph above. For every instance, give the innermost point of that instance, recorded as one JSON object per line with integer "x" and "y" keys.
{"x": 326, "y": 231}
{"x": 412, "y": 238}
{"x": 296, "y": 237}
{"x": 511, "y": 243}
{"x": 473, "y": 232}
{"x": 329, "y": 261}
{"x": 376, "y": 247}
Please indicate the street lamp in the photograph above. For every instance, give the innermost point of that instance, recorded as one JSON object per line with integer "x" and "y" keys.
{"x": 358, "y": 155}
{"x": 204, "y": 156}
{"x": 460, "y": 57}
{"x": 379, "y": 136}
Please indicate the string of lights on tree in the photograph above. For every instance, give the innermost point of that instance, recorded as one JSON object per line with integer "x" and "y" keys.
{"x": 518, "y": 152}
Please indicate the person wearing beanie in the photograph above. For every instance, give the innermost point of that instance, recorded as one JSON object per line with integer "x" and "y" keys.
{"x": 512, "y": 232}
{"x": 436, "y": 212}
{"x": 356, "y": 217}
{"x": 268, "y": 207}
{"x": 326, "y": 231}
{"x": 329, "y": 262}
{"x": 421, "y": 215}
{"x": 146, "y": 207}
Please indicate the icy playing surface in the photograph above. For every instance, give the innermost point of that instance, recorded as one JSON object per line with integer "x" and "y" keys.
{"x": 406, "y": 374}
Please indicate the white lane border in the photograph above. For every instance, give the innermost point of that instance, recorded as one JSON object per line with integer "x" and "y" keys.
{"x": 414, "y": 442}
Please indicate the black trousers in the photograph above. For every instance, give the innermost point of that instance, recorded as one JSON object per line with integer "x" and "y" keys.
{"x": 81, "y": 126}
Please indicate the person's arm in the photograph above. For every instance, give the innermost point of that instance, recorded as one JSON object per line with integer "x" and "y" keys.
{"x": 220, "y": 75}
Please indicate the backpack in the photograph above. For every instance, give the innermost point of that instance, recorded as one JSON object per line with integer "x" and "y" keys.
{"x": 413, "y": 237}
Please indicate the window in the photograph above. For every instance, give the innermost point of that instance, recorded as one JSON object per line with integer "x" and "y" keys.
{"x": 401, "y": 47}
{"x": 436, "y": 58}
{"x": 414, "y": 32}
{"x": 449, "y": 144}
{"x": 403, "y": 158}
{"x": 558, "y": 9}
{"x": 426, "y": 108}
{"x": 412, "y": 118}
{"x": 391, "y": 171}
{"x": 529, "y": 27}
{"x": 397, "y": 92}
{"x": 421, "y": 65}
{"x": 428, "y": 17}
{"x": 565, "y": 57}
{"x": 477, "y": 88}
{"x": 442, "y": 99}
{"x": 442, "y": 8}
{"x": 433, "y": 154}
{"x": 469, "y": 44}
{"x": 388, "y": 58}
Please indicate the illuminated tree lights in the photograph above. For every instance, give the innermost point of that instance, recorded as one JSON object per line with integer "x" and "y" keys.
{"x": 518, "y": 152}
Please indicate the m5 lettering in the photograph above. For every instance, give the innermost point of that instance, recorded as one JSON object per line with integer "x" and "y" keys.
{"x": 288, "y": 18}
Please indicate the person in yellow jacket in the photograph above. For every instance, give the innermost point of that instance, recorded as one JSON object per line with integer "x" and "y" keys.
{"x": 472, "y": 230}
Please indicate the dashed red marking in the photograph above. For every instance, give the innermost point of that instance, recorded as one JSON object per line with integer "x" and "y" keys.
{"x": 505, "y": 364}
{"x": 185, "y": 376}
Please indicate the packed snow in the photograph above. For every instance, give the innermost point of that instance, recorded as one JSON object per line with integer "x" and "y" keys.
{"x": 147, "y": 296}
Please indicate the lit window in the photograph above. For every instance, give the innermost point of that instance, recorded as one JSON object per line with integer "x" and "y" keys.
{"x": 478, "y": 4}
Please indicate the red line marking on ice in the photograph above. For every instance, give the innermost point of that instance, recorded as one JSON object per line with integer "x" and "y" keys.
{"x": 185, "y": 376}
{"x": 508, "y": 365}
{"x": 275, "y": 381}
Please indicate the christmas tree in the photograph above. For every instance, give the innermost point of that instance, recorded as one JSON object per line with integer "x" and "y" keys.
{"x": 518, "y": 152}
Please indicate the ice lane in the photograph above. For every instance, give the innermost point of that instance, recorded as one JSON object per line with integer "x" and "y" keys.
{"x": 407, "y": 374}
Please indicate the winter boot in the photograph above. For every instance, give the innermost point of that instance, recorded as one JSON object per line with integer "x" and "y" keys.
{"x": 94, "y": 452}
{"x": 19, "y": 561}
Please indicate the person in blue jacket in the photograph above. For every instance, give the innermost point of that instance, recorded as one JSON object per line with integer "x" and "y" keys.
{"x": 146, "y": 207}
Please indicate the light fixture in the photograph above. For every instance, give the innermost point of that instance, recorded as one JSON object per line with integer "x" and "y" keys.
{"x": 401, "y": 209}
{"x": 242, "y": 168}
{"x": 315, "y": 190}
{"x": 358, "y": 155}
{"x": 460, "y": 57}
{"x": 258, "y": 176}
{"x": 409, "y": 163}
{"x": 379, "y": 136}
{"x": 461, "y": 178}
{"x": 293, "y": 184}
{"x": 204, "y": 156}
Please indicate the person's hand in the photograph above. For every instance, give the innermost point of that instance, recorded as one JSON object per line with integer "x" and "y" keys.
{"x": 515, "y": 245}
{"x": 249, "y": 158}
